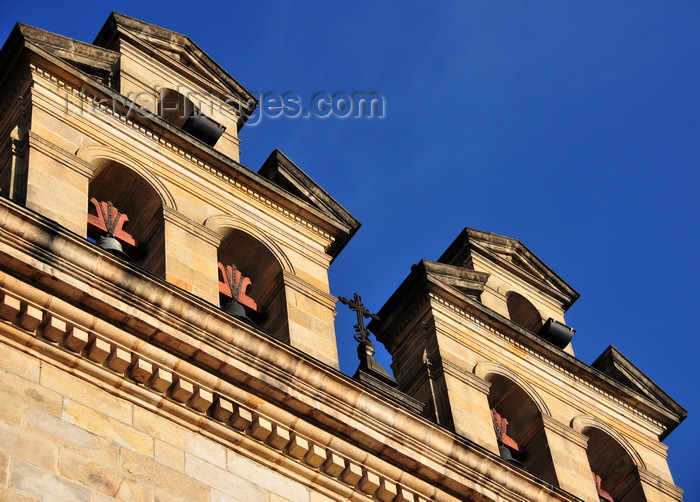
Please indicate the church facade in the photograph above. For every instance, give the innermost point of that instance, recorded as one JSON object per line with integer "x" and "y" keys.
{"x": 166, "y": 322}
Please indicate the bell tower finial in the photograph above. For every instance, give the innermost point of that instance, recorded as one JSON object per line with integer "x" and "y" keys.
{"x": 361, "y": 331}
{"x": 365, "y": 349}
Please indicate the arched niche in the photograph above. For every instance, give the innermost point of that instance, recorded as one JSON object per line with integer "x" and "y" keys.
{"x": 613, "y": 460}
{"x": 255, "y": 261}
{"x": 522, "y": 420}
{"x": 132, "y": 195}
{"x": 522, "y": 312}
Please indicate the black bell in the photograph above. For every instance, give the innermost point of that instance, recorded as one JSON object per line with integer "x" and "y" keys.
{"x": 110, "y": 244}
{"x": 556, "y": 333}
{"x": 203, "y": 128}
{"x": 238, "y": 311}
{"x": 506, "y": 455}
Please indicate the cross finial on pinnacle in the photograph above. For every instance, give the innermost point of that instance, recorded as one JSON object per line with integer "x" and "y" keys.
{"x": 361, "y": 331}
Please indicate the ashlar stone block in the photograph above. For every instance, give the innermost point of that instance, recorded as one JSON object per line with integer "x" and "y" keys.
{"x": 9, "y": 308}
{"x": 69, "y": 435}
{"x": 241, "y": 419}
{"x": 19, "y": 444}
{"x": 169, "y": 455}
{"x": 76, "y": 339}
{"x": 18, "y": 363}
{"x": 30, "y": 317}
{"x": 334, "y": 464}
{"x": 79, "y": 469}
{"x": 160, "y": 380}
{"x": 37, "y": 483}
{"x": 297, "y": 447}
{"x": 54, "y": 329}
{"x": 147, "y": 470}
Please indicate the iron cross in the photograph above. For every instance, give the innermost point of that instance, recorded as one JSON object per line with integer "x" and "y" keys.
{"x": 361, "y": 332}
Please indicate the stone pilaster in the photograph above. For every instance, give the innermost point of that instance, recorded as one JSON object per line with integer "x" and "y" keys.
{"x": 467, "y": 395}
{"x": 310, "y": 320}
{"x": 190, "y": 256}
{"x": 568, "y": 450}
{"x": 56, "y": 183}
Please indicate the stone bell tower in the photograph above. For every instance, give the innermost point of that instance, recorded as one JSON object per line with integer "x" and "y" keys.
{"x": 479, "y": 337}
{"x": 132, "y": 142}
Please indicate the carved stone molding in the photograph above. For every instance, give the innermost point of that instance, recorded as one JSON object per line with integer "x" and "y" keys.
{"x": 668, "y": 489}
{"x": 563, "y": 430}
{"x": 105, "y": 360}
{"x": 584, "y": 422}
{"x": 473, "y": 380}
{"x": 57, "y": 153}
{"x": 206, "y": 234}
{"x": 486, "y": 368}
{"x": 73, "y": 306}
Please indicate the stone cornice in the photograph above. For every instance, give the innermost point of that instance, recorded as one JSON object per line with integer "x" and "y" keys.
{"x": 149, "y": 327}
{"x": 14, "y": 109}
{"x": 563, "y": 430}
{"x": 140, "y": 377}
{"x": 202, "y": 232}
{"x": 495, "y": 247}
{"x": 60, "y": 155}
{"x": 119, "y": 25}
{"x": 464, "y": 376}
{"x": 668, "y": 489}
{"x": 294, "y": 282}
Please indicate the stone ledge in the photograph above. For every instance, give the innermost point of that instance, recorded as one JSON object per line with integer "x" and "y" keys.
{"x": 212, "y": 351}
{"x": 206, "y": 402}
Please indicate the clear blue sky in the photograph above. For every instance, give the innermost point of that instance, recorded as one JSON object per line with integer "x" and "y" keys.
{"x": 572, "y": 126}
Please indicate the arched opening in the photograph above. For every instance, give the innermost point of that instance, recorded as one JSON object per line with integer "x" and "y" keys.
{"x": 615, "y": 473}
{"x": 522, "y": 312}
{"x": 519, "y": 428}
{"x": 259, "y": 282}
{"x": 125, "y": 193}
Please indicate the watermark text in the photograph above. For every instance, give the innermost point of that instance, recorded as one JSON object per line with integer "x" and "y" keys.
{"x": 176, "y": 104}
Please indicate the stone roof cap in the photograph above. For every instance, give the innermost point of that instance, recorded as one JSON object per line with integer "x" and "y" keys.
{"x": 510, "y": 254}
{"x": 175, "y": 46}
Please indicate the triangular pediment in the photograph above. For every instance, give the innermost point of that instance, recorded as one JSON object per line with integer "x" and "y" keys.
{"x": 615, "y": 365}
{"x": 284, "y": 173}
{"x": 174, "y": 49}
{"x": 91, "y": 59}
{"x": 465, "y": 280}
{"x": 508, "y": 254}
